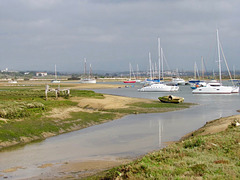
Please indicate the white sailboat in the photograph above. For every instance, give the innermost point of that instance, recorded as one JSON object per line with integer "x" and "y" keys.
{"x": 137, "y": 74}
{"x": 88, "y": 80}
{"x": 55, "y": 80}
{"x": 158, "y": 87}
{"x": 217, "y": 87}
{"x": 177, "y": 80}
{"x": 195, "y": 83}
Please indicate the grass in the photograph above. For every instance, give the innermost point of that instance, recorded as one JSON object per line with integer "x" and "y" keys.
{"x": 153, "y": 107}
{"x": 24, "y": 112}
{"x": 215, "y": 156}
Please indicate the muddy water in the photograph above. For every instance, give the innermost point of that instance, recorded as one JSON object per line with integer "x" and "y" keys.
{"x": 130, "y": 136}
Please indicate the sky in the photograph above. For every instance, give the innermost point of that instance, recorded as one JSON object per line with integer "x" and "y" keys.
{"x": 110, "y": 34}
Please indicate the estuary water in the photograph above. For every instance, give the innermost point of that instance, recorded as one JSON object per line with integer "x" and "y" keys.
{"x": 130, "y": 136}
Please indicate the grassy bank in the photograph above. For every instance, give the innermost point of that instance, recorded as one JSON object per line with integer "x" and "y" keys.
{"x": 211, "y": 156}
{"x": 25, "y": 114}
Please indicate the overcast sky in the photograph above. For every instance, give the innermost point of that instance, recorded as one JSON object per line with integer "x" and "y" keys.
{"x": 110, "y": 34}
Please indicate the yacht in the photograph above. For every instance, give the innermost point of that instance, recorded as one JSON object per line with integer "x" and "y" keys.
{"x": 217, "y": 87}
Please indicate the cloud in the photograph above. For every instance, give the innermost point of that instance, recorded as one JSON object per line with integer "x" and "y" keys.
{"x": 115, "y": 32}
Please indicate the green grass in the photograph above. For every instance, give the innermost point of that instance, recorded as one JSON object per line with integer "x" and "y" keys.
{"x": 26, "y": 110}
{"x": 214, "y": 156}
{"x": 20, "y": 103}
{"x": 153, "y": 107}
{"x": 86, "y": 93}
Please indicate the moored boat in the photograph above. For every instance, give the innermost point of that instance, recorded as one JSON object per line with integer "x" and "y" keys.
{"x": 217, "y": 87}
{"x": 88, "y": 81}
{"x": 129, "y": 81}
{"x": 171, "y": 99}
{"x": 159, "y": 88}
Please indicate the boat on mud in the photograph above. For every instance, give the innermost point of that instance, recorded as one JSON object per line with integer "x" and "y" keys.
{"x": 171, "y": 99}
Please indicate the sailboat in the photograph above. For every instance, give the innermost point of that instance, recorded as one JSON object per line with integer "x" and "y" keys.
{"x": 195, "y": 83}
{"x": 158, "y": 87}
{"x": 137, "y": 78}
{"x": 55, "y": 80}
{"x": 88, "y": 80}
{"x": 130, "y": 75}
{"x": 177, "y": 80}
{"x": 217, "y": 87}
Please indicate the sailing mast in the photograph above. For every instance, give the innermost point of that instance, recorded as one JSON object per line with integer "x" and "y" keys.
{"x": 162, "y": 61}
{"x": 55, "y": 72}
{"x": 90, "y": 70}
{"x": 202, "y": 68}
{"x": 85, "y": 66}
{"x": 130, "y": 67}
{"x": 137, "y": 71}
{"x": 159, "y": 59}
{"x": 219, "y": 60}
{"x": 150, "y": 63}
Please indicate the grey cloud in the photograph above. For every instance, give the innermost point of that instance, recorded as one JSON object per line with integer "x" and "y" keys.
{"x": 111, "y": 34}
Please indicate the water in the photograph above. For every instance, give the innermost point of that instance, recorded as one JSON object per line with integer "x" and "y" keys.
{"x": 130, "y": 136}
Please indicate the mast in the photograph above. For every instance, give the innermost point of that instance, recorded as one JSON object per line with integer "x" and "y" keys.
{"x": 90, "y": 70}
{"x": 159, "y": 59}
{"x": 219, "y": 60}
{"x": 150, "y": 63}
{"x": 162, "y": 60}
{"x": 202, "y": 68}
{"x": 195, "y": 70}
{"x": 55, "y": 72}
{"x": 130, "y": 67}
{"x": 137, "y": 71}
{"x": 85, "y": 66}
{"x": 234, "y": 72}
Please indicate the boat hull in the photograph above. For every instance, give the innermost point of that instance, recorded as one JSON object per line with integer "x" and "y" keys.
{"x": 159, "y": 88}
{"x": 88, "y": 81}
{"x": 55, "y": 81}
{"x": 214, "y": 90}
{"x": 171, "y": 99}
{"x": 129, "y": 81}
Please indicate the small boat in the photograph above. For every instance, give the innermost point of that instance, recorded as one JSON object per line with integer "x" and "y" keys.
{"x": 159, "y": 88}
{"x": 88, "y": 81}
{"x": 130, "y": 72}
{"x": 129, "y": 81}
{"x": 178, "y": 81}
{"x": 171, "y": 99}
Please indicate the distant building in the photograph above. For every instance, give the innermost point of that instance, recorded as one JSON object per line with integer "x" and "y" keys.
{"x": 41, "y": 73}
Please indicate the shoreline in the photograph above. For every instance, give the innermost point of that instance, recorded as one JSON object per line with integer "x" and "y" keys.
{"x": 91, "y": 167}
{"x": 72, "y": 168}
{"x": 119, "y": 106}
